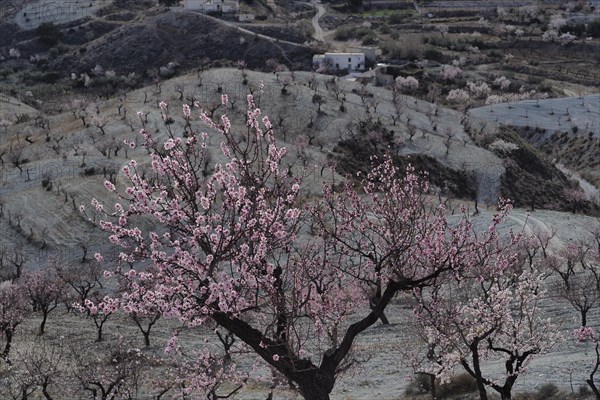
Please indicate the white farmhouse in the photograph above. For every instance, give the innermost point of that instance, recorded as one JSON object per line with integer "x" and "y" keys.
{"x": 339, "y": 61}
{"x": 226, "y": 6}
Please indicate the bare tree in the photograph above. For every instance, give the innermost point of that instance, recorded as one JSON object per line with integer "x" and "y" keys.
{"x": 83, "y": 279}
{"x": 43, "y": 289}
{"x": 319, "y": 100}
{"x": 448, "y": 137}
{"x": 42, "y": 362}
{"x": 578, "y": 266}
{"x": 15, "y": 155}
{"x": 12, "y": 262}
{"x": 114, "y": 374}
{"x": 180, "y": 88}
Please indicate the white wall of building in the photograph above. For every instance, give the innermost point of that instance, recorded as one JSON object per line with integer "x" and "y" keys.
{"x": 211, "y": 5}
{"x": 349, "y": 61}
{"x": 194, "y": 4}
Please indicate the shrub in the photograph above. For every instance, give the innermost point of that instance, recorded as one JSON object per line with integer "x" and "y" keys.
{"x": 420, "y": 385}
{"x": 347, "y": 33}
{"x": 396, "y": 18}
{"x": 62, "y": 49}
{"x": 23, "y": 118}
{"x": 459, "y": 384}
{"x": 410, "y": 50}
{"x": 546, "y": 391}
{"x": 577, "y": 29}
{"x": 51, "y": 77}
{"x": 385, "y": 28}
{"x": 343, "y": 34}
{"x": 593, "y": 28}
{"x": 6, "y": 72}
{"x": 584, "y": 391}
{"x": 533, "y": 79}
{"x": 495, "y": 54}
{"x": 48, "y": 33}
{"x": 89, "y": 171}
{"x": 433, "y": 54}
{"x": 544, "y": 86}
{"x": 370, "y": 39}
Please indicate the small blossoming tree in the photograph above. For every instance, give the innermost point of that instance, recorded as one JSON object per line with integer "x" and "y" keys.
{"x": 587, "y": 334}
{"x": 503, "y": 83}
{"x": 458, "y": 96}
{"x": 408, "y": 83}
{"x": 492, "y": 316}
{"x": 450, "y": 73}
{"x": 479, "y": 91}
{"x": 13, "y": 310}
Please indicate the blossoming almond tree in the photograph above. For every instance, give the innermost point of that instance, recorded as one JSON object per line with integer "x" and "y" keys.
{"x": 13, "y": 310}
{"x": 43, "y": 290}
{"x": 578, "y": 266}
{"x": 235, "y": 248}
{"x": 494, "y": 315}
{"x": 587, "y": 334}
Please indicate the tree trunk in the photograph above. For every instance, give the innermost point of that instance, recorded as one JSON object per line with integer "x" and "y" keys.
{"x": 433, "y": 387}
{"x": 583, "y": 317}
{"x": 146, "y": 338}
{"x": 590, "y": 381}
{"x": 477, "y": 372}
{"x": 315, "y": 384}
{"x": 45, "y": 390}
{"x": 8, "y": 334}
{"x": 384, "y": 319}
{"x": 43, "y": 323}
{"x": 314, "y": 393}
{"x": 99, "y": 336}
{"x": 505, "y": 392}
{"x": 592, "y": 385}
{"x": 375, "y": 301}
{"x": 481, "y": 390}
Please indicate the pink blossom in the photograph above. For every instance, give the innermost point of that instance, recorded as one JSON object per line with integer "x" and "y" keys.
{"x": 407, "y": 83}
{"x": 584, "y": 333}
{"x": 186, "y": 111}
{"x": 458, "y": 96}
{"x": 169, "y": 144}
{"x": 451, "y": 73}
{"x": 109, "y": 186}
